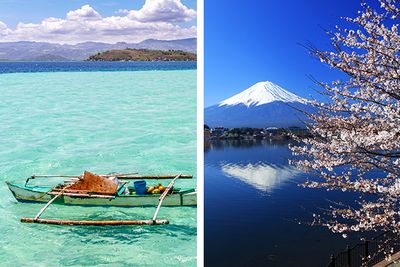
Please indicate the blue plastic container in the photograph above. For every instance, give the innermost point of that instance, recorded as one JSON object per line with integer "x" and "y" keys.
{"x": 140, "y": 187}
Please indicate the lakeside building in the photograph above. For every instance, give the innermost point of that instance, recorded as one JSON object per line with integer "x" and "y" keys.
{"x": 269, "y": 133}
{"x": 218, "y": 132}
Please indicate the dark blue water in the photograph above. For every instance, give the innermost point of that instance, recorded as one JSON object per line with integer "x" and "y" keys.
{"x": 13, "y": 67}
{"x": 253, "y": 204}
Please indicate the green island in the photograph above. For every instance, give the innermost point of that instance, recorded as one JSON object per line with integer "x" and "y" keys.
{"x": 131, "y": 54}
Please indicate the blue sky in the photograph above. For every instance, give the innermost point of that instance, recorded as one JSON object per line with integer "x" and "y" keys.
{"x": 96, "y": 20}
{"x": 15, "y": 11}
{"x": 259, "y": 40}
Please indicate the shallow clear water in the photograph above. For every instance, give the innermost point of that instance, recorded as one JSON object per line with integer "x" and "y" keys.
{"x": 68, "y": 122}
{"x": 253, "y": 206}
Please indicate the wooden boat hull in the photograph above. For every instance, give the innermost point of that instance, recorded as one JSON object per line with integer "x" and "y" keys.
{"x": 40, "y": 194}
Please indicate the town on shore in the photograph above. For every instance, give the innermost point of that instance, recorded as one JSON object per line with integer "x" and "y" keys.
{"x": 247, "y": 133}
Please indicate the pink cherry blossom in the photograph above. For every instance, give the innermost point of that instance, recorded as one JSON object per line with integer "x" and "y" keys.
{"x": 356, "y": 134}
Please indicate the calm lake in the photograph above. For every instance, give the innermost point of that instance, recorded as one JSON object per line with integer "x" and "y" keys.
{"x": 253, "y": 204}
{"x": 68, "y": 117}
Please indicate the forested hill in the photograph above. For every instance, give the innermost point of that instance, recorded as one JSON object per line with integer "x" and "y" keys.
{"x": 143, "y": 55}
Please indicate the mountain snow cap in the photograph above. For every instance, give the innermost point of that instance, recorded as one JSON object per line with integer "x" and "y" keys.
{"x": 262, "y": 93}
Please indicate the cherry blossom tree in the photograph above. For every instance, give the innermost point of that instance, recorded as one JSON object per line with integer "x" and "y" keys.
{"x": 356, "y": 134}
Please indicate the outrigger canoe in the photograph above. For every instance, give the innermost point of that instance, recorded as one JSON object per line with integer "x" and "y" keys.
{"x": 105, "y": 190}
{"x": 43, "y": 194}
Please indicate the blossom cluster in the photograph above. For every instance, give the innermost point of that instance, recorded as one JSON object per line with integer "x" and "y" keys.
{"x": 356, "y": 134}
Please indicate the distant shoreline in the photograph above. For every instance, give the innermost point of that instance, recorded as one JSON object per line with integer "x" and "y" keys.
{"x": 249, "y": 134}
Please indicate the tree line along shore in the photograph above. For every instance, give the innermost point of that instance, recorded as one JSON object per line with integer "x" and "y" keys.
{"x": 247, "y": 133}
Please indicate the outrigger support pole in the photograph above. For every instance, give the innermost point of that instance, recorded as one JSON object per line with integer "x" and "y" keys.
{"x": 48, "y": 203}
{"x": 51, "y": 176}
{"x": 95, "y": 223}
{"x": 153, "y": 177}
{"x": 164, "y": 194}
{"x": 46, "y": 206}
{"x": 123, "y": 175}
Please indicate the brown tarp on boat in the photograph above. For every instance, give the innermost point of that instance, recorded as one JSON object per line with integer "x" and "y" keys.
{"x": 95, "y": 184}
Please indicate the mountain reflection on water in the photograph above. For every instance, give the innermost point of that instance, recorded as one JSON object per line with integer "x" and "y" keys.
{"x": 262, "y": 176}
{"x": 253, "y": 205}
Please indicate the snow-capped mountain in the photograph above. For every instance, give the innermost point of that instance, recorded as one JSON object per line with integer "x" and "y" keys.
{"x": 262, "y": 93}
{"x": 264, "y": 104}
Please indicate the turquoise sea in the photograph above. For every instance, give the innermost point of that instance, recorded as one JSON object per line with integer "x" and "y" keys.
{"x": 101, "y": 121}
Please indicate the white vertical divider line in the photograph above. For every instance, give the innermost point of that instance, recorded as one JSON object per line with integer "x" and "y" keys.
{"x": 200, "y": 133}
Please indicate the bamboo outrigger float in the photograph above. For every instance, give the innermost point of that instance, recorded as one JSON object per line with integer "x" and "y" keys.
{"x": 102, "y": 190}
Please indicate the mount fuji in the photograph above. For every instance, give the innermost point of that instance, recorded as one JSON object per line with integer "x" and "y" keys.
{"x": 264, "y": 104}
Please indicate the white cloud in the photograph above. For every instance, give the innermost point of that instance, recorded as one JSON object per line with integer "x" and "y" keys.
{"x": 163, "y": 10}
{"x": 157, "y": 19}
{"x": 2, "y": 25}
{"x": 86, "y": 12}
{"x": 3, "y": 29}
